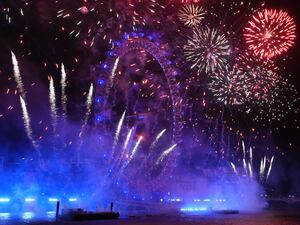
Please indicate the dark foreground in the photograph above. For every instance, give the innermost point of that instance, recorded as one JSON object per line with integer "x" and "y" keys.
{"x": 266, "y": 218}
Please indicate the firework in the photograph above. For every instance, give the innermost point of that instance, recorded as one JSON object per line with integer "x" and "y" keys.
{"x": 207, "y": 50}
{"x": 89, "y": 102}
{"x": 270, "y": 168}
{"x": 230, "y": 86}
{"x": 157, "y": 139}
{"x": 63, "y": 84}
{"x": 52, "y": 100}
{"x": 17, "y": 75}
{"x": 165, "y": 154}
{"x": 250, "y": 170}
{"x": 113, "y": 71}
{"x": 27, "y": 124}
{"x": 192, "y": 15}
{"x": 234, "y": 168}
{"x": 117, "y": 134}
{"x": 246, "y": 60}
{"x": 105, "y": 18}
{"x": 125, "y": 146}
{"x": 135, "y": 148}
{"x": 270, "y": 33}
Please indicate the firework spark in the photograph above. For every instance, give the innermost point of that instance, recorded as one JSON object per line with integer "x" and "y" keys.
{"x": 135, "y": 148}
{"x": 117, "y": 134}
{"x": 52, "y": 100}
{"x": 27, "y": 124}
{"x": 230, "y": 86}
{"x": 89, "y": 102}
{"x": 270, "y": 33}
{"x": 207, "y": 50}
{"x": 165, "y": 154}
{"x": 192, "y": 15}
{"x": 63, "y": 84}
{"x": 270, "y": 168}
{"x": 17, "y": 75}
{"x": 157, "y": 139}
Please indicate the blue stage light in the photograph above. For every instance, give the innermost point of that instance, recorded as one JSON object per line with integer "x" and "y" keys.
{"x": 194, "y": 209}
{"x": 72, "y": 199}
{"x": 4, "y": 200}
{"x": 30, "y": 200}
{"x": 52, "y": 199}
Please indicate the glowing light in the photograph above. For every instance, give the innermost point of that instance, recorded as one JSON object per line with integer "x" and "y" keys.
{"x": 229, "y": 86}
{"x": 53, "y": 199}
{"x": 194, "y": 209}
{"x": 157, "y": 139}
{"x": 117, "y": 134}
{"x": 89, "y": 102}
{"x": 27, "y": 124}
{"x": 4, "y": 200}
{"x": 192, "y": 15}
{"x": 270, "y": 168}
{"x": 63, "y": 84}
{"x": 28, "y": 215}
{"x": 52, "y": 99}
{"x": 30, "y": 200}
{"x": 17, "y": 75}
{"x": 270, "y": 33}
{"x": 207, "y": 50}
{"x": 166, "y": 153}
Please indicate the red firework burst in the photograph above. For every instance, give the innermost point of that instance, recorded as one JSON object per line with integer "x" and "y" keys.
{"x": 270, "y": 33}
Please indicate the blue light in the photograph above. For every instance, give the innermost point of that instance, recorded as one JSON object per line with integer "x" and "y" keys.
{"x": 51, "y": 214}
{"x": 99, "y": 100}
{"x": 4, "y": 199}
{"x": 29, "y": 200}
{"x": 53, "y": 200}
{"x": 105, "y": 66}
{"x": 169, "y": 62}
{"x": 126, "y": 36}
{"x": 194, "y": 209}
{"x": 28, "y": 216}
{"x": 72, "y": 199}
{"x": 110, "y": 53}
{"x": 141, "y": 35}
{"x": 101, "y": 82}
{"x": 135, "y": 35}
{"x": 117, "y": 43}
{"x": 100, "y": 118}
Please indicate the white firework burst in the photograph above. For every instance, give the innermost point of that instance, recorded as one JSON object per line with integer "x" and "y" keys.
{"x": 192, "y": 15}
{"x": 207, "y": 50}
{"x": 230, "y": 86}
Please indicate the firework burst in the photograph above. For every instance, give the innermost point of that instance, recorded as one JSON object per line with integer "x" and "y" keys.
{"x": 207, "y": 50}
{"x": 263, "y": 83}
{"x": 104, "y": 18}
{"x": 230, "y": 86}
{"x": 270, "y": 33}
{"x": 192, "y": 15}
